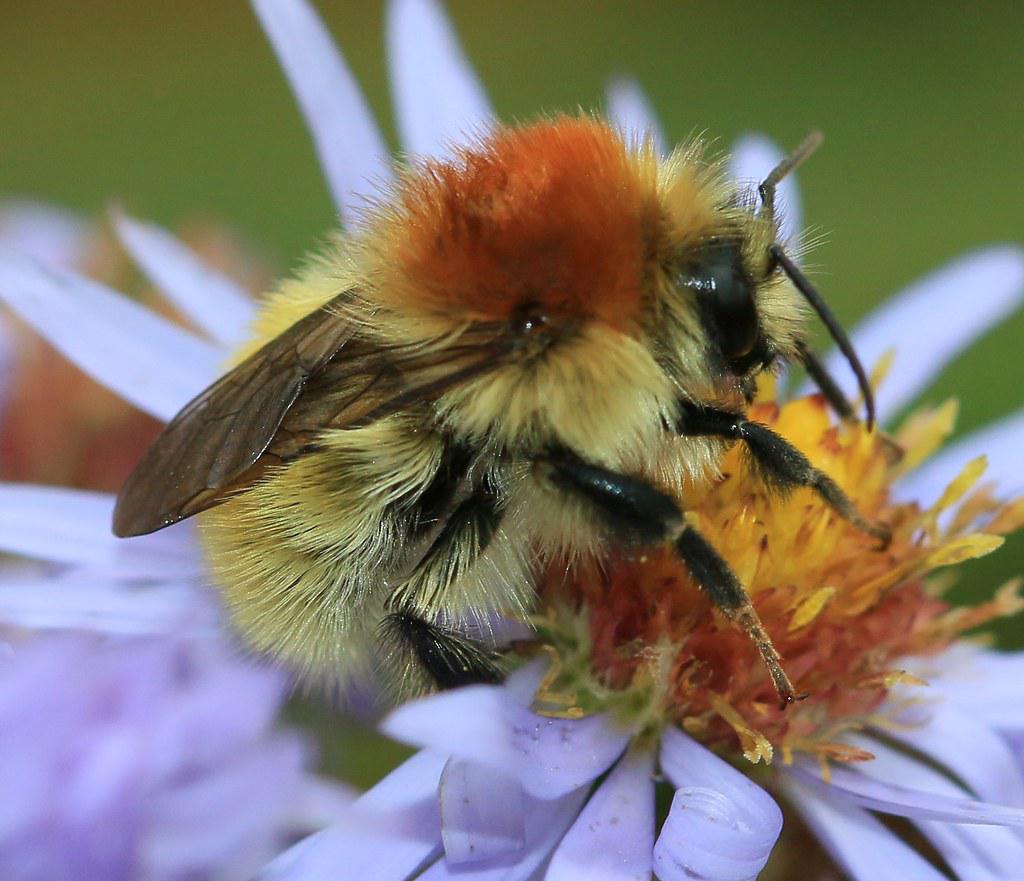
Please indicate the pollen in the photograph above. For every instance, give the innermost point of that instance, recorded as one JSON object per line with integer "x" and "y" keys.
{"x": 634, "y": 632}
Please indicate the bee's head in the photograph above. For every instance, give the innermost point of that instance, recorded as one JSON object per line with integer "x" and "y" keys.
{"x": 739, "y": 300}
{"x": 723, "y": 313}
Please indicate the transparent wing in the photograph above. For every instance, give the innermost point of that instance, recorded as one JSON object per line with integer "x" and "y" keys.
{"x": 271, "y": 407}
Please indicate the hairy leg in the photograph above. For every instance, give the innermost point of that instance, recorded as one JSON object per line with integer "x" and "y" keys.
{"x": 639, "y": 513}
{"x": 782, "y": 465}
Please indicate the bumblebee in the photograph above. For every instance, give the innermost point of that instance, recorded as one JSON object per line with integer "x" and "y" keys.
{"x": 523, "y": 355}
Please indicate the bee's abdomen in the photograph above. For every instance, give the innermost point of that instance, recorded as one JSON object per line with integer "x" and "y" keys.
{"x": 313, "y": 557}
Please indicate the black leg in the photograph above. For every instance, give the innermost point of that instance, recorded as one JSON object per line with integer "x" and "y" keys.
{"x": 729, "y": 597}
{"x": 448, "y": 658}
{"x": 637, "y": 512}
{"x": 820, "y": 376}
{"x": 451, "y": 524}
{"x": 782, "y": 466}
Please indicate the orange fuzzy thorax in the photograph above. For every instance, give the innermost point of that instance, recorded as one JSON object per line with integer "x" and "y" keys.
{"x": 560, "y": 216}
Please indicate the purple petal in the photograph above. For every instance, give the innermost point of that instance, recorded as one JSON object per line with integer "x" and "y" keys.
{"x": 106, "y": 606}
{"x": 244, "y": 698}
{"x": 406, "y": 802}
{"x": 931, "y": 322}
{"x": 687, "y": 763}
{"x": 351, "y": 151}
{"x": 51, "y": 235}
{"x": 984, "y": 684}
{"x": 217, "y": 305}
{"x": 248, "y": 797}
{"x": 722, "y": 826}
{"x": 862, "y": 846}
{"x": 482, "y": 814}
{"x": 546, "y": 822}
{"x": 753, "y": 157}
{"x": 73, "y": 526}
{"x": 490, "y": 725}
{"x": 1001, "y": 443}
{"x": 558, "y": 755}
{"x": 977, "y": 853}
{"x": 162, "y": 778}
{"x": 964, "y": 745}
{"x": 972, "y": 851}
{"x": 134, "y": 352}
{"x": 891, "y": 798}
{"x": 321, "y": 802}
{"x": 613, "y": 836}
{"x": 438, "y": 99}
{"x": 631, "y": 112}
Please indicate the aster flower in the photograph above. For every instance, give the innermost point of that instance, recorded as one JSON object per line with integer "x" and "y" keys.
{"x": 554, "y": 773}
{"x": 158, "y": 761}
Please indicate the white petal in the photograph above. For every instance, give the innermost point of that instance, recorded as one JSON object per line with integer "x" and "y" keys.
{"x": 488, "y": 724}
{"x": 752, "y": 158}
{"x": 73, "y": 526}
{"x": 437, "y": 96}
{"x": 903, "y": 801}
{"x": 352, "y": 152}
{"x": 546, "y": 822}
{"x": 406, "y": 800}
{"x": 722, "y": 826}
{"x": 106, "y": 606}
{"x": 931, "y": 322}
{"x": 219, "y": 306}
{"x": 1001, "y": 443}
{"x": 134, "y": 352}
{"x": 631, "y": 112}
{"x": 965, "y": 746}
{"x": 482, "y": 814}
{"x": 862, "y": 846}
{"x": 613, "y": 837}
{"x": 51, "y": 235}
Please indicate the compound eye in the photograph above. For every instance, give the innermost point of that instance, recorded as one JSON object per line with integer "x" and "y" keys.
{"x": 731, "y": 303}
{"x": 726, "y": 299}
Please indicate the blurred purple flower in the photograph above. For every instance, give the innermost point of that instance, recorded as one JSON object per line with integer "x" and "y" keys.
{"x": 497, "y": 792}
{"x": 148, "y": 759}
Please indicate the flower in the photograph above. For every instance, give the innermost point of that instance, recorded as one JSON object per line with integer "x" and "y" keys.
{"x": 502, "y": 791}
{"x": 158, "y": 761}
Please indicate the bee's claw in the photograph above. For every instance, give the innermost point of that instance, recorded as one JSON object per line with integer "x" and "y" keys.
{"x": 884, "y": 535}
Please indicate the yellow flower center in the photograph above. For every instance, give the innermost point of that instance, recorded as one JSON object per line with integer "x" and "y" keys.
{"x": 637, "y": 635}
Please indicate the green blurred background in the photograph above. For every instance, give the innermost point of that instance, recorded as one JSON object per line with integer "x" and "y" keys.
{"x": 179, "y": 109}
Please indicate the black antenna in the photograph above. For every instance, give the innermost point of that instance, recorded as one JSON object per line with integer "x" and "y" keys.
{"x": 767, "y": 188}
{"x": 803, "y": 285}
{"x": 820, "y": 376}
{"x": 767, "y": 192}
